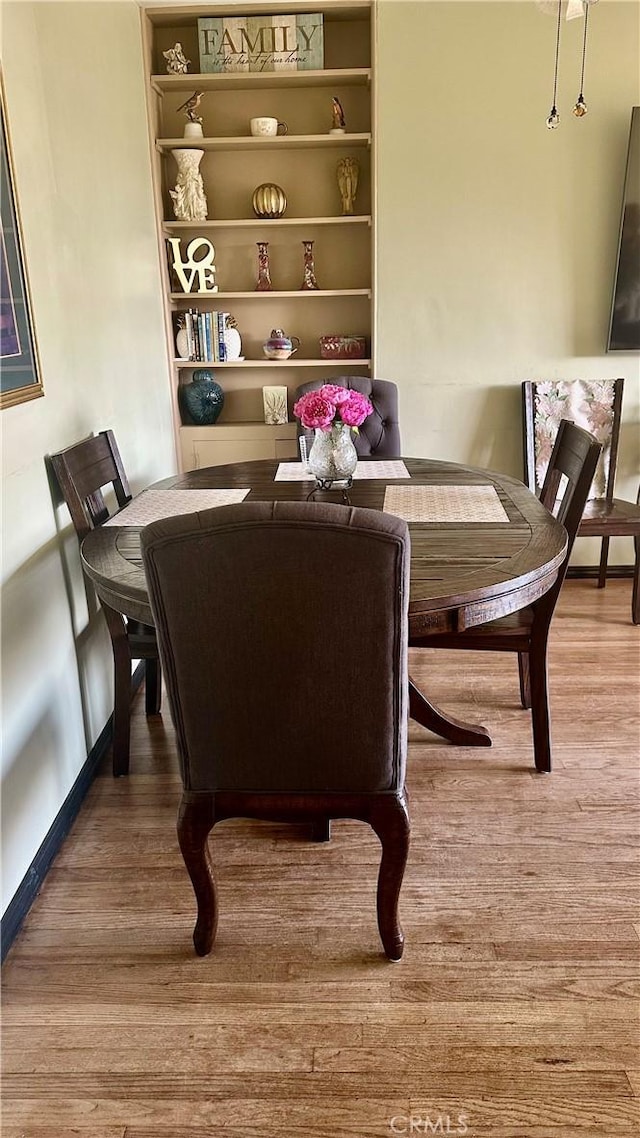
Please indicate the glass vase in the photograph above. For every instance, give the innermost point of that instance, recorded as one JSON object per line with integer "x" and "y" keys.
{"x": 264, "y": 278}
{"x": 333, "y": 457}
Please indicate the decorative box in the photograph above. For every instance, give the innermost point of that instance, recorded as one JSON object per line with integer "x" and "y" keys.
{"x": 343, "y": 347}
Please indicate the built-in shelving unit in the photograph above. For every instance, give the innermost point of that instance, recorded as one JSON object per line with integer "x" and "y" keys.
{"x": 303, "y": 162}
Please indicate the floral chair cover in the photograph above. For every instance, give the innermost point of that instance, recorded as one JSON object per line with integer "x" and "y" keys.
{"x": 589, "y": 403}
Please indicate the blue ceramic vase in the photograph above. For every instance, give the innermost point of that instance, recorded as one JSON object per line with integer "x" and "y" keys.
{"x": 201, "y": 400}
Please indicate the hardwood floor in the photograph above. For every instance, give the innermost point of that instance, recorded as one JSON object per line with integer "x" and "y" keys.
{"x": 513, "y": 1013}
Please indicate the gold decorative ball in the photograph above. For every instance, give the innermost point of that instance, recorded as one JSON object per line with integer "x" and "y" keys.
{"x": 269, "y": 200}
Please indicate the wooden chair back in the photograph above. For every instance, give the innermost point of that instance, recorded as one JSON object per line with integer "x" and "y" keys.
{"x": 596, "y": 406}
{"x": 83, "y": 470}
{"x": 566, "y": 487}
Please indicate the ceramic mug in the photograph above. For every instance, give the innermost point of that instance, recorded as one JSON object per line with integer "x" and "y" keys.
{"x": 267, "y": 128}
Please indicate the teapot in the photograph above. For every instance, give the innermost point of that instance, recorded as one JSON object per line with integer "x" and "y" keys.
{"x": 279, "y": 346}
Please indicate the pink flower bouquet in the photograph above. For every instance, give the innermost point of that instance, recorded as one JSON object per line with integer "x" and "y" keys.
{"x": 332, "y": 404}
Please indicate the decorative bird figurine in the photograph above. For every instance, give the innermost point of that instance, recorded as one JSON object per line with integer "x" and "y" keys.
{"x": 191, "y": 105}
{"x": 337, "y": 112}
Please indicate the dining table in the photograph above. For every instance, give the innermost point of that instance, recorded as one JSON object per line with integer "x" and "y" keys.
{"x": 482, "y": 545}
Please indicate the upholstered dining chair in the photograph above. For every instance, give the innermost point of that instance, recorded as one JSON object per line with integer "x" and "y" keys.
{"x": 380, "y": 433}
{"x": 287, "y": 684}
{"x": 595, "y": 405}
{"x": 82, "y": 472}
{"x": 570, "y": 471}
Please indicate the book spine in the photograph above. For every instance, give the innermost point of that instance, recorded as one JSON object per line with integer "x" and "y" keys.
{"x": 188, "y": 324}
{"x": 222, "y": 323}
{"x": 206, "y": 318}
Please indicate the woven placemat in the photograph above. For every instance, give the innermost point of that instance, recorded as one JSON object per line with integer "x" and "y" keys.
{"x": 151, "y": 505}
{"x": 383, "y": 468}
{"x": 444, "y": 504}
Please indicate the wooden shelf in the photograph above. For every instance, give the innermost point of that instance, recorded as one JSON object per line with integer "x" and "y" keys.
{"x": 298, "y": 294}
{"x": 288, "y": 429}
{"x": 271, "y": 222}
{"x": 293, "y": 362}
{"x": 276, "y": 142}
{"x": 269, "y": 80}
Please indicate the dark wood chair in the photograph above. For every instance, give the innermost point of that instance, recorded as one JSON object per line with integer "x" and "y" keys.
{"x": 287, "y": 684}
{"x": 597, "y": 407}
{"x": 380, "y": 433}
{"x": 82, "y": 472}
{"x": 575, "y": 455}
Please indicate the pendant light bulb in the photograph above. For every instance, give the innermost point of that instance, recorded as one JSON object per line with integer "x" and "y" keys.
{"x": 580, "y": 108}
{"x": 554, "y": 119}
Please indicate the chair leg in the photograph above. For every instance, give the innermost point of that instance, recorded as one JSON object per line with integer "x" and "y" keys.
{"x": 121, "y": 691}
{"x": 196, "y": 818}
{"x": 525, "y": 679}
{"x": 152, "y": 686}
{"x": 604, "y": 557}
{"x": 635, "y": 596}
{"x": 390, "y": 820}
{"x": 540, "y": 717}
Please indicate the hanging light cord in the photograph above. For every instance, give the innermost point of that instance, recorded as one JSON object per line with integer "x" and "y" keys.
{"x": 584, "y": 47}
{"x": 554, "y": 117}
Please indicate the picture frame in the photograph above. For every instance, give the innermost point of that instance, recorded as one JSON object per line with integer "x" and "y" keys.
{"x": 275, "y": 405}
{"x": 624, "y": 321}
{"x": 20, "y": 375}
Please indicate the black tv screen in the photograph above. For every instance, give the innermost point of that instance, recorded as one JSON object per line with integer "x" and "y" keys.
{"x": 624, "y": 329}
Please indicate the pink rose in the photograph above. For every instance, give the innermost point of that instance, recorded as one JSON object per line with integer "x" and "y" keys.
{"x": 355, "y": 409}
{"x": 314, "y": 410}
{"x": 335, "y": 393}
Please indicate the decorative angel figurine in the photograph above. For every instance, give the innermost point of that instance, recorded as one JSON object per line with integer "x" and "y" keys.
{"x": 189, "y": 201}
{"x": 348, "y": 171}
{"x": 177, "y": 64}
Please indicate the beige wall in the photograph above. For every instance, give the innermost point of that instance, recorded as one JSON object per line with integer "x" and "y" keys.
{"x": 496, "y": 236}
{"x": 496, "y": 247}
{"x": 75, "y": 98}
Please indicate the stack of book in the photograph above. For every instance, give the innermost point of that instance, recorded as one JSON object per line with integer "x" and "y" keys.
{"x": 205, "y": 335}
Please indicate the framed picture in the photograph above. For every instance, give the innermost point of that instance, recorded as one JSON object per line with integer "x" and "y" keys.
{"x": 19, "y": 370}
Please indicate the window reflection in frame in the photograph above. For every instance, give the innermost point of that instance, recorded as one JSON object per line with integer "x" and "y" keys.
{"x": 19, "y": 366}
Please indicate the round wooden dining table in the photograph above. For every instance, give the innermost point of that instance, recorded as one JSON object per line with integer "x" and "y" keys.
{"x": 463, "y": 572}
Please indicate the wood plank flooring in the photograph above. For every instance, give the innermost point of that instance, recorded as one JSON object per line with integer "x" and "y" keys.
{"x": 513, "y": 1014}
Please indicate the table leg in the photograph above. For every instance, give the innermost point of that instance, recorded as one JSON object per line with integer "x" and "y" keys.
{"x": 428, "y": 715}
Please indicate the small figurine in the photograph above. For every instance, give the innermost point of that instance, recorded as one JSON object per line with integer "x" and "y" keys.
{"x": 177, "y": 64}
{"x": 348, "y": 170}
{"x": 339, "y": 125}
{"x": 190, "y": 107}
